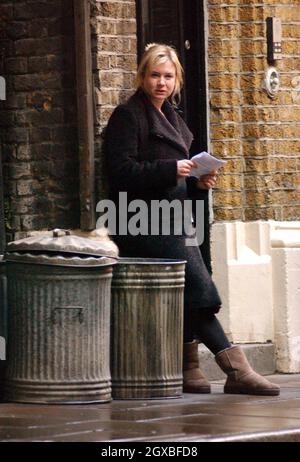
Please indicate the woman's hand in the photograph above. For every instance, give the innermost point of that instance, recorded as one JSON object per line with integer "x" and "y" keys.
{"x": 184, "y": 167}
{"x": 208, "y": 181}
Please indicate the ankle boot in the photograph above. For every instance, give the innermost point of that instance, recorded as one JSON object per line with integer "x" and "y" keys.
{"x": 241, "y": 377}
{"x": 193, "y": 379}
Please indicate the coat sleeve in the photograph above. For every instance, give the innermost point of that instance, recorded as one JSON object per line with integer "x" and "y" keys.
{"x": 126, "y": 172}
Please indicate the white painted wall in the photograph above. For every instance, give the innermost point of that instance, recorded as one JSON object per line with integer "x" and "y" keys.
{"x": 285, "y": 250}
{"x": 242, "y": 270}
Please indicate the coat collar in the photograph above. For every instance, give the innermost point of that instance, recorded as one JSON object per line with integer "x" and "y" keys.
{"x": 170, "y": 128}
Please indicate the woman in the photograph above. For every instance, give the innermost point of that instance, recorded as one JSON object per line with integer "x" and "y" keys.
{"x": 147, "y": 149}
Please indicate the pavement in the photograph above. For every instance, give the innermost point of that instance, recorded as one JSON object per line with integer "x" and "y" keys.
{"x": 214, "y": 417}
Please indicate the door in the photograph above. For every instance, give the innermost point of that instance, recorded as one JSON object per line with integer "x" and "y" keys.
{"x": 181, "y": 23}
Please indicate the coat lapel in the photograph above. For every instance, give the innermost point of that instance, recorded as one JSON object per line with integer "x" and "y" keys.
{"x": 170, "y": 128}
{"x": 178, "y": 123}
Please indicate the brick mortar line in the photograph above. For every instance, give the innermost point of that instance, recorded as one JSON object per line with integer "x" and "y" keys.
{"x": 250, "y": 5}
{"x": 251, "y": 22}
{"x": 248, "y": 39}
{"x": 117, "y": 37}
{"x": 252, "y": 190}
{"x": 225, "y": 139}
{"x": 234, "y": 92}
{"x": 114, "y": 20}
{"x": 114, "y": 89}
{"x": 258, "y": 157}
{"x": 261, "y": 157}
{"x": 237, "y": 207}
{"x": 263, "y": 106}
{"x": 113, "y": 1}
{"x": 273, "y": 123}
{"x": 253, "y": 207}
{"x": 284, "y": 56}
{"x": 250, "y": 73}
{"x": 222, "y": 91}
{"x": 254, "y": 124}
{"x": 116, "y": 70}
{"x": 113, "y": 53}
{"x": 277, "y": 122}
{"x": 229, "y": 90}
{"x": 282, "y": 106}
{"x": 285, "y": 91}
{"x": 110, "y": 20}
{"x": 112, "y": 68}
{"x": 255, "y": 139}
{"x": 247, "y": 139}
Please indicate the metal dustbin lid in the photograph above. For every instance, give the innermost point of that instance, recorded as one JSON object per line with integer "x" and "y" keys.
{"x": 62, "y": 248}
{"x": 150, "y": 261}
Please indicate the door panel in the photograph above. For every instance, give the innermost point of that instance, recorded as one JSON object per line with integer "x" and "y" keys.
{"x": 164, "y": 21}
{"x": 181, "y": 23}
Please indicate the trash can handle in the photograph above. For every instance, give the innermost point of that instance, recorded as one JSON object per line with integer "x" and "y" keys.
{"x": 80, "y": 310}
{"x": 57, "y": 232}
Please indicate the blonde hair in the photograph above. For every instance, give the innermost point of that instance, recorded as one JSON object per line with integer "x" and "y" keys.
{"x": 159, "y": 53}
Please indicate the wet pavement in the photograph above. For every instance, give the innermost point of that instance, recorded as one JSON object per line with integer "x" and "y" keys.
{"x": 211, "y": 417}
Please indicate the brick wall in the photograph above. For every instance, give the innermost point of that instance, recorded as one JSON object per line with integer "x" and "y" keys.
{"x": 114, "y": 65}
{"x": 38, "y": 120}
{"x": 259, "y": 137}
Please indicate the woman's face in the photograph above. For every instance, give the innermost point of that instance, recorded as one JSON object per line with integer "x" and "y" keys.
{"x": 159, "y": 82}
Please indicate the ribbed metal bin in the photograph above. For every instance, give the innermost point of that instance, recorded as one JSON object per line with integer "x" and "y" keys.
{"x": 58, "y": 329}
{"x": 147, "y": 328}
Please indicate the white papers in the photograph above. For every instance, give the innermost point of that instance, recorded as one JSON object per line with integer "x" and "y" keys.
{"x": 205, "y": 164}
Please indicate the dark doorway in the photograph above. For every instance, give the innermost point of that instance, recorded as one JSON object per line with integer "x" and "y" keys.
{"x": 181, "y": 23}
{"x": 2, "y": 227}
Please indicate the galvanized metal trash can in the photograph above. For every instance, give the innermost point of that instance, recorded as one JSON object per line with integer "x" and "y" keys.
{"x": 58, "y": 321}
{"x": 147, "y": 328}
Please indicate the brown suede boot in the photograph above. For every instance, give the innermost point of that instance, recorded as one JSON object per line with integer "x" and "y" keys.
{"x": 241, "y": 377}
{"x": 193, "y": 379}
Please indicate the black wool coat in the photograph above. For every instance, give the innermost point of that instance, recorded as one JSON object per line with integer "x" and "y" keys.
{"x": 142, "y": 148}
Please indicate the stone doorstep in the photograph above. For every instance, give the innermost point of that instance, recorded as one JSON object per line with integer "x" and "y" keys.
{"x": 261, "y": 356}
